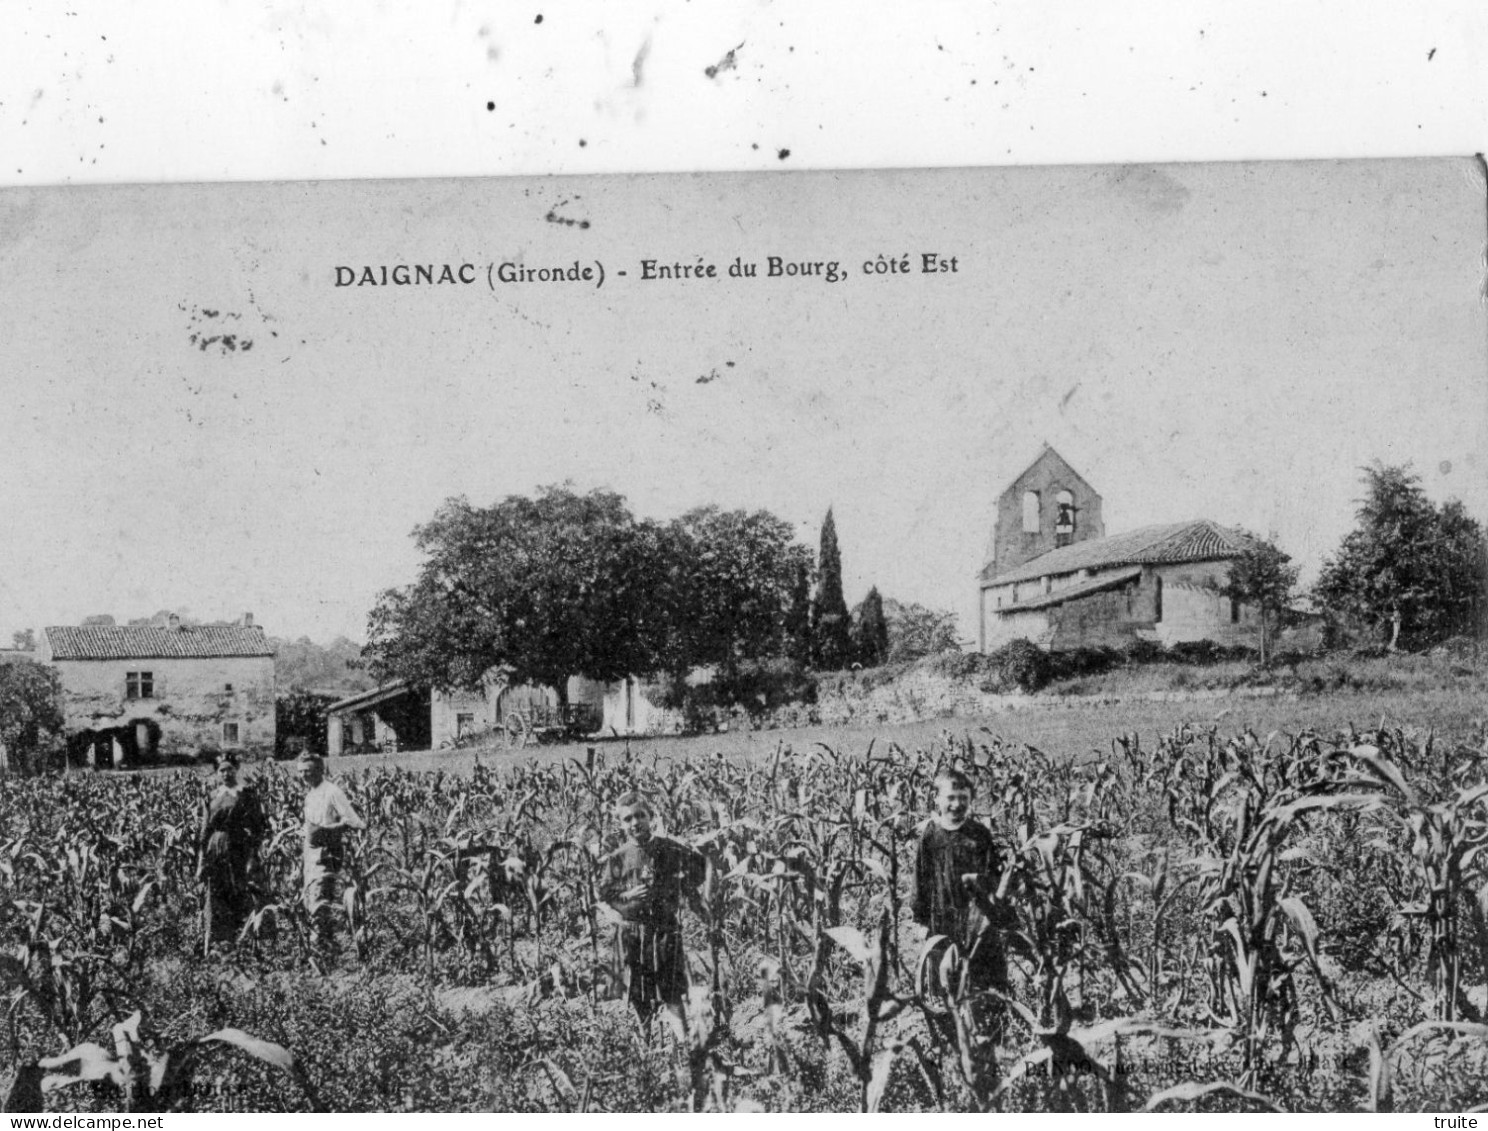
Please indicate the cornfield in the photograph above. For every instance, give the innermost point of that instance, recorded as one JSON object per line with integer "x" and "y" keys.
{"x": 1213, "y": 922}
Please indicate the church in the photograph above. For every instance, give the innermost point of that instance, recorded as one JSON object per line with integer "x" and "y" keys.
{"x": 1055, "y": 578}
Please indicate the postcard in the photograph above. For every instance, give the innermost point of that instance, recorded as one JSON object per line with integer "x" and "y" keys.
{"x": 958, "y": 639}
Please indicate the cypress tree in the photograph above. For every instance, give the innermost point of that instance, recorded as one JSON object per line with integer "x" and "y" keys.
{"x": 831, "y": 626}
{"x": 871, "y": 643}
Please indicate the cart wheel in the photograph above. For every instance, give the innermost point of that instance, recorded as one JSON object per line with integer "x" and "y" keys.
{"x": 515, "y": 732}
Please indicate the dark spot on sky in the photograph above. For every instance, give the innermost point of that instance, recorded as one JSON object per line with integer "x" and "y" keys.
{"x": 582, "y": 143}
{"x": 783, "y": 154}
{"x": 638, "y": 64}
{"x": 539, "y": 18}
{"x": 1430, "y": 54}
{"x": 490, "y": 105}
{"x": 553, "y": 218}
{"x": 1445, "y": 467}
{"x": 729, "y": 61}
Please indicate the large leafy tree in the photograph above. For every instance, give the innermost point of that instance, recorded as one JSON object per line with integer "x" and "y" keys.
{"x": 831, "y": 628}
{"x": 547, "y": 587}
{"x": 302, "y": 664}
{"x": 871, "y": 631}
{"x": 731, "y": 580}
{"x": 1262, "y": 577}
{"x": 30, "y": 710}
{"x": 1410, "y": 571}
{"x": 916, "y": 631}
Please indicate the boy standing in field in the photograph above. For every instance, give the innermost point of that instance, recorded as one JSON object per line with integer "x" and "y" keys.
{"x": 643, "y": 883}
{"x": 957, "y": 869}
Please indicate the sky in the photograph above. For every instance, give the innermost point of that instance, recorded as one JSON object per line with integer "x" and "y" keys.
{"x": 1228, "y": 341}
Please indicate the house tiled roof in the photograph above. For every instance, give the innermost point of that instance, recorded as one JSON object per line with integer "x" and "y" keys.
{"x": 1196, "y": 541}
{"x": 370, "y": 697}
{"x": 1083, "y": 589}
{"x": 152, "y": 642}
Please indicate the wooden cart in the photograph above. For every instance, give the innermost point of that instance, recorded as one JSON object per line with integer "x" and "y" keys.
{"x": 534, "y": 724}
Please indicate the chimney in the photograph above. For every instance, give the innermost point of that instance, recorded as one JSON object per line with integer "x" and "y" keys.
{"x": 175, "y": 623}
{"x": 247, "y": 620}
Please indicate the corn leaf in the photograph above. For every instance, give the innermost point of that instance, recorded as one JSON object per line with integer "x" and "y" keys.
{"x": 1193, "y": 1090}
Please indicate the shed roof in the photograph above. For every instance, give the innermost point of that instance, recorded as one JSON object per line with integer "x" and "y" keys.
{"x": 1073, "y": 592}
{"x": 1197, "y": 540}
{"x": 370, "y": 698}
{"x": 150, "y": 642}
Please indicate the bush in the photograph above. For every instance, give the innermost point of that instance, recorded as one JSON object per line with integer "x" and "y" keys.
{"x": 755, "y": 686}
{"x": 1025, "y": 665}
{"x": 1086, "y": 661}
{"x": 1143, "y": 652}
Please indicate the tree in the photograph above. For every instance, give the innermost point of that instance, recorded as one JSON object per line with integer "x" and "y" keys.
{"x": 24, "y": 640}
{"x": 30, "y": 711}
{"x": 548, "y": 587}
{"x": 302, "y": 664}
{"x": 831, "y": 637}
{"x": 871, "y": 631}
{"x": 1262, "y": 576}
{"x": 916, "y": 631}
{"x": 300, "y": 721}
{"x": 1410, "y": 572}
{"x": 730, "y": 582}
{"x": 798, "y": 612}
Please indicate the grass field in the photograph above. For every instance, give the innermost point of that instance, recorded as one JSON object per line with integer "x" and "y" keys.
{"x": 1059, "y": 726}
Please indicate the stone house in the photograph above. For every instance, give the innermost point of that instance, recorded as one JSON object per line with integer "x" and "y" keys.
{"x": 133, "y": 692}
{"x": 1053, "y": 576}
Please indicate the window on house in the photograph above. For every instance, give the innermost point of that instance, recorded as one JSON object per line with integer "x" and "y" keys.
{"x": 227, "y": 688}
{"x": 1157, "y": 599}
{"x": 1064, "y": 520}
{"x": 1234, "y": 611}
{"x": 1030, "y": 512}
{"x": 229, "y": 734}
{"x": 139, "y": 685}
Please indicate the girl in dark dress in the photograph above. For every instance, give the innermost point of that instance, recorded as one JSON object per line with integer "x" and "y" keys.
{"x": 232, "y": 829}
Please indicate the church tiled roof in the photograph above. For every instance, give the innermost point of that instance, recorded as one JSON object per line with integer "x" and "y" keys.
{"x": 1070, "y": 593}
{"x": 1198, "y": 540}
{"x": 143, "y": 641}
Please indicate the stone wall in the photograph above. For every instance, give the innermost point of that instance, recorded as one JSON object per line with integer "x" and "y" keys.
{"x": 1046, "y": 477}
{"x": 920, "y": 695}
{"x": 1193, "y": 608}
{"x": 191, "y": 700}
